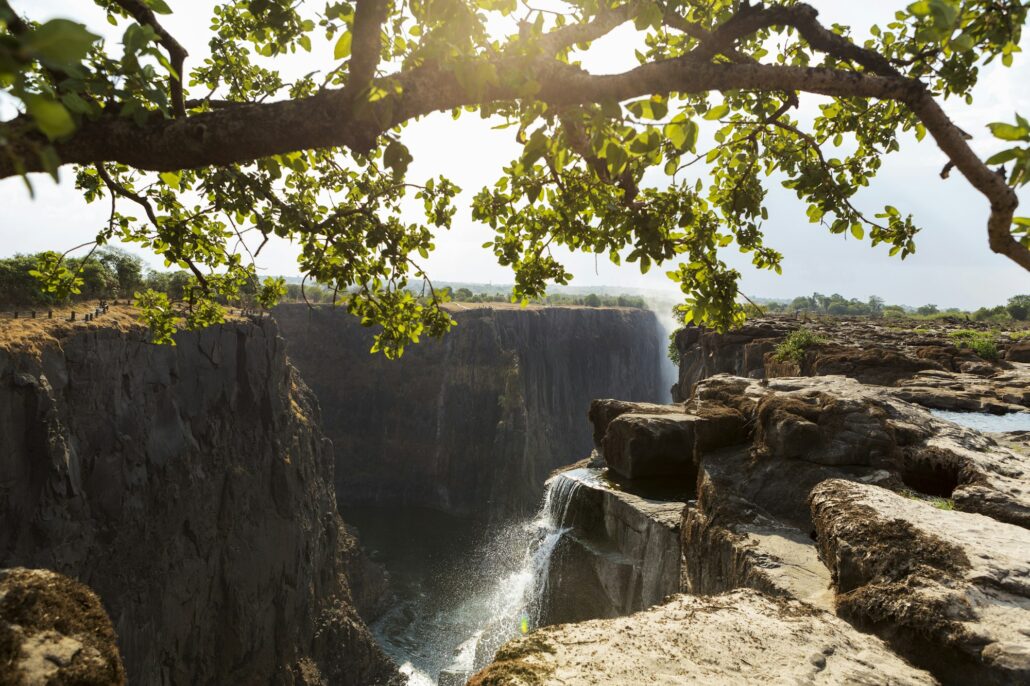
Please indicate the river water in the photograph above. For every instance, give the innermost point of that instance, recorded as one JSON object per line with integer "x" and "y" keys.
{"x": 981, "y": 421}
{"x": 461, "y": 588}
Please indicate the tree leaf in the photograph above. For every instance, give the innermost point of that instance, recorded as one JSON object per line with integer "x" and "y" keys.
{"x": 51, "y": 116}
{"x": 60, "y": 43}
{"x": 717, "y": 112}
{"x": 159, "y": 6}
{"x": 342, "y": 49}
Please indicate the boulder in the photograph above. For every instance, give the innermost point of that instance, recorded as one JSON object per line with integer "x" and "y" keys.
{"x": 1019, "y": 352}
{"x": 950, "y": 590}
{"x": 603, "y": 411}
{"x": 53, "y": 630}
{"x": 743, "y": 637}
{"x": 657, "y": 441}
{"x": 647, "y": 445}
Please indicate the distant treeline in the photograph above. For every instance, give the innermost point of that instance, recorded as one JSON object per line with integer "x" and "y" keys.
{"x": 465, "y": 295}
{"x": 110, "y": 274}
{"x": 1017, "y": 308}
{"x": 107, "y": 274}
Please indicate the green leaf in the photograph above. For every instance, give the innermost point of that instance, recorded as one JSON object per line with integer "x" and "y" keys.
{"x": 857, "y": 231}
{"x": 51, "y": 116}
{"x": 159, "y": 6}
{"x": 1003, "y": 156}
{"x": 342, "y": 49}
{"x": 171, "y": 178}
{"x": 1008, "y": 132}
{"x": 717, "y": 112}
{"x": 60, "y": 43}
{"x": 397, "y": 158}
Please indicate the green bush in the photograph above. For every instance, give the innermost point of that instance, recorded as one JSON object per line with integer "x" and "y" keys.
{"x": 793, "y": 347}
{"x": 980, "y": 342}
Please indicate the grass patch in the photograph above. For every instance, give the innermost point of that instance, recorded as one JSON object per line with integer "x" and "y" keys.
{"x": 980, "y": 342}
{"x": 935, "y": 501}
{"x": 793, "y": 347}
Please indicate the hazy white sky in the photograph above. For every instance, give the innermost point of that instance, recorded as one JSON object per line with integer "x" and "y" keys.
{"x": 952, "y": 267}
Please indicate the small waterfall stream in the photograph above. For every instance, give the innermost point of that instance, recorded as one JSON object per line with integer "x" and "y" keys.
{"x": 461, "y": 594}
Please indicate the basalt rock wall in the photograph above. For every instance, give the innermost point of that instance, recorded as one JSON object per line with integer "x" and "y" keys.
{"x": 472, "y": 423}
{"x": 191, "y": 487}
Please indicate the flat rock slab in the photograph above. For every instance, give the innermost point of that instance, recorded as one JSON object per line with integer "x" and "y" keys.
{"x": 950, "y": 589}
{"x": 743, "y": 637}
{"x": 731, "y": 541}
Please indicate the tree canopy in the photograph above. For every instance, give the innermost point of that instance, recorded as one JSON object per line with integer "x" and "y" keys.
{"x": 198, "y": 154}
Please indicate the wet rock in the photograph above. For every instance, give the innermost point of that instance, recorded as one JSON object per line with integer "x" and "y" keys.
{"x": 621, "y": 553}
{"x": 475, "y": 422}
{"x": 53, "y": 630}
{"x": 742, "y": 637}
{"x": 948, "y": 589}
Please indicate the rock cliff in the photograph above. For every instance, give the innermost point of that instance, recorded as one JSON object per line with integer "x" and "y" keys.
{"x": 475, "y": 422}
{"x": 191, "y": 488}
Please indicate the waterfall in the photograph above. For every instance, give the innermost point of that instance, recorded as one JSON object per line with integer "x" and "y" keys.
{"x": 493, "y": 590}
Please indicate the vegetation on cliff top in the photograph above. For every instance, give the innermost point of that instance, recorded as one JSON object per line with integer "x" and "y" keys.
{"x": 180, "y": 145}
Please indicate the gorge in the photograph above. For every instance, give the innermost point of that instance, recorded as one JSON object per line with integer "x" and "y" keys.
{"x": 198, "y": 491}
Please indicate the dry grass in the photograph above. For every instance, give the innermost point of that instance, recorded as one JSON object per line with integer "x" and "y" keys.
{"x": 32, "y": 336}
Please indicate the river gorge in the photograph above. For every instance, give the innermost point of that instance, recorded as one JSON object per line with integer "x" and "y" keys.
{"x": 521, "y": 502}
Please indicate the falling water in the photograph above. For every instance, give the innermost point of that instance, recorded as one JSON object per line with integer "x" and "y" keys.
{"x": 454, "y": 613}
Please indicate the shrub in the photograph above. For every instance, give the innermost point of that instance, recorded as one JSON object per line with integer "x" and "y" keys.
{"x": 793, "y": 347}
{"x": 980, "y": 342}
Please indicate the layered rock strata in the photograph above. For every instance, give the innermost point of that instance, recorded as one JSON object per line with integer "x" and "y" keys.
{"x": 951, "y": 590}
{"x": 473, "y": 423}
{"x": 191, "y": 488}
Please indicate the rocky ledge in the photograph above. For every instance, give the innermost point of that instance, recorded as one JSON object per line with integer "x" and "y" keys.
{"x": 928, "y": 363}
{"x": 822, "y": 496}
{"x": 742, "y": 637}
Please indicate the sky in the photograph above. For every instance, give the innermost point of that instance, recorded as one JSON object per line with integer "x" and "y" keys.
{"x": 952, "y": 267}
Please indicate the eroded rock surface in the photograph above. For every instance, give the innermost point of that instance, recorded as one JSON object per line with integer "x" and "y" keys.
{"x": 53, "y": 630}
{"x": 949, "y": 589}
{"x": 741, "y": 637}
{"x": 837, "y": 422}
{"x": 928, "y": 365}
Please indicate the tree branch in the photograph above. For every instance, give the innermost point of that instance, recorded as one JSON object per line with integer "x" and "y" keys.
{"x": 366, "y": 46}
{"x": 176, "y": 53}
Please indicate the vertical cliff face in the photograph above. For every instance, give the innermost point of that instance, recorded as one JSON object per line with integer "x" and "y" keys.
{"x": 475, "y": 422}
{"x": 191, "y": 487}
